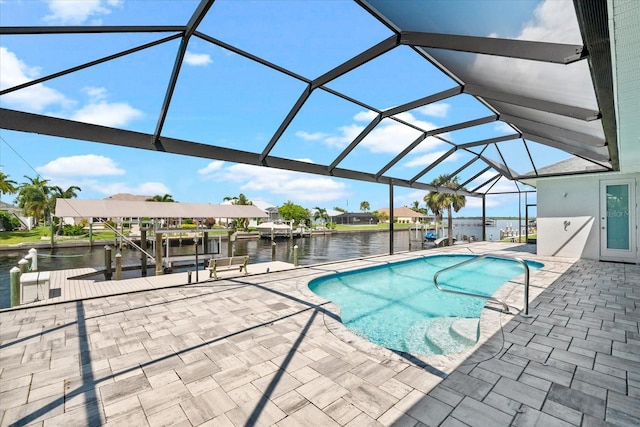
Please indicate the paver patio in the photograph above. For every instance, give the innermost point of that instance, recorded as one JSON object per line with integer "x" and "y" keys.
{"x": 263, "y": 350}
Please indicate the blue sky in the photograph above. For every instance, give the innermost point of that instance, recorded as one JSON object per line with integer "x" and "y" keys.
{"x": 224, "y": 99}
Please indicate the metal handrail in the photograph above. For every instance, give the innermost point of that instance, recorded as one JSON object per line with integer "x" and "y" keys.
{"x": 478, "y": 258}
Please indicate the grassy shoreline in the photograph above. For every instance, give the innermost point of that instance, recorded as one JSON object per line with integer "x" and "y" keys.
{"x": 41, "y": 236}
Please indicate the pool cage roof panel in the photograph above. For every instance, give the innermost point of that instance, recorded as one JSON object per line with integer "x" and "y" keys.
{"x": 473, "y": 91}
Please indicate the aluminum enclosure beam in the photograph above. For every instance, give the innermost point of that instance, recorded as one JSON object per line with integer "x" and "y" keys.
{"x": 423, "y": 101}
{"x": 562, "y": 134}
{"x": 490, "y": 141}
{"x": 581, "y": 150}
{"x": 91, "y": 29}
{"x": 523, "y": 49}
{"x": 52, "y": 126}
{"x": 196, "y": 18}
{"x": 355, "y": 62}
{"x": 89, "y": 64}
{"x": 533, "y": 103}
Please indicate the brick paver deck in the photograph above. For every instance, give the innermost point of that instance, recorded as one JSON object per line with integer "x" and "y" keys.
{"x": 263, "y": 350}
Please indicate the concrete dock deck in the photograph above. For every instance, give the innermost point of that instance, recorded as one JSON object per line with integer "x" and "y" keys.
{"x": 263, "y": 350}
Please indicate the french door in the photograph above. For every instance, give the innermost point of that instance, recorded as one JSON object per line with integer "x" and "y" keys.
{"x": 617, "y": 220}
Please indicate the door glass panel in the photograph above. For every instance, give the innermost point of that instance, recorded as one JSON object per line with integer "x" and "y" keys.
{"x": 618, "y": 216}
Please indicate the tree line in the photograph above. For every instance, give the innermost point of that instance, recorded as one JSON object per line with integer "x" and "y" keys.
{"x": 37, "y": 198}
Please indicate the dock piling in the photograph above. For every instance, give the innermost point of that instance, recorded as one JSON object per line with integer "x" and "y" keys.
{"x": 295, "y": 255}
{"x": 14, "y": 274}
{"x": 33, "y": 253}
{"x": 23, "y": 265}
{"x": 118, "y": 266}
{"x": 159, "y": 269}
{"x": 273, "y": 251}
{"x": 143, "y": 254}
{"x": 107, "y": 262}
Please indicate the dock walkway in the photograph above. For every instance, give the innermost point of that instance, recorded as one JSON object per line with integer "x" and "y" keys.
{"x": 75, "y": 284}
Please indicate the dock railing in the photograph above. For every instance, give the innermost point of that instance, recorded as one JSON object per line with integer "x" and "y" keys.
{"x": 489, "y": 298}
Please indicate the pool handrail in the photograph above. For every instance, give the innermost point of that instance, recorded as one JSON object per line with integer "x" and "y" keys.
{"x": 499, "y": 301}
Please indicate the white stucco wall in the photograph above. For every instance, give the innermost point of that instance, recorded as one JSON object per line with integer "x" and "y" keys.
{"x": 577, "y": 202}
{"x": 569, "y": 215}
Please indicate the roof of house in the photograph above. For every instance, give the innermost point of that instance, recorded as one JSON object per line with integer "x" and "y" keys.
{"x": 128, "y": 197}
{"x": 402, "y": 211}
{"x": 356, "y": 214}
{"x": 108, "y": 208}
{"x": 7, "y": 207}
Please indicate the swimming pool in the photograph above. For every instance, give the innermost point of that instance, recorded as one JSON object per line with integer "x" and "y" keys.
{"x": 397, "y": 306}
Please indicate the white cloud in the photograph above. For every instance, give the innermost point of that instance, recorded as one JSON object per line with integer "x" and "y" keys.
{"x": 96, "y": 93}
{"x": 36, "y": 98}
{"x": 144, "y": 189}
{"x": 553, "y": 21}
{"x": 503, "y": 127}
{"x": 435, "y": 110}
{"x": 344, "y": 137}
{"x": 75, "y": 12}
{"x": 289, "y": 185}
{"x": 211, "y": 167}
{"x": 82, "y": 165}
{"x": 388, "y": 137}
{"x": 311, "y": 136}
{"x": 197, "y": 59}
{"x": 365, "y": 116}
{"x": 39, "y": 97}
{"x": 429, "y": 158}
{"x": 106, "y": 114}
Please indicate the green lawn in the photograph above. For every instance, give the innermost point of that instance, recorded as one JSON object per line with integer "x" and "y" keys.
{"x": 36, "y": 234}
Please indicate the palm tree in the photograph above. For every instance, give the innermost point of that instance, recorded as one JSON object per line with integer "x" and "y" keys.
{"x": 364, "y": 206}
{"x": 437, "y": 202}
{"x": 33, "y": 197}
{"x": 56, "y": 192}
{"x": 321, "y": 213}
{"x": 159, "y": 198}
{"x": 243, "y": 201}
{"x": 7, "y": 186}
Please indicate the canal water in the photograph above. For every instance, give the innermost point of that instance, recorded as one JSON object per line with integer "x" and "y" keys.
{"x": 311, "y": 250}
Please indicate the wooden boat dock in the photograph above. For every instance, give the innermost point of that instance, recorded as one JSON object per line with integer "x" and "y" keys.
{"x": 83, "y": 283}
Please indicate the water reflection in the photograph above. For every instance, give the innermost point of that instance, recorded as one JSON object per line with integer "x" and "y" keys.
{"x": 311, "y": 250}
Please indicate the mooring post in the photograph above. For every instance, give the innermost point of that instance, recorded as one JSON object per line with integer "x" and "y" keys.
{"x": 273, "y": 251}
{"x": 91, "y": 234}
{"x": 14, "y": 274}
{"x": 118, "y": 266}
{"x": 159, "y": 270}
{"x": 230, "y": 243}
{"x": 143, "y": 253}
{"x": 295, "y": 255}
{"x": 34, "y": 259}
{"x": 197, "y": 261}
{"x": 23, "y": 265}
{"x": 107, "y": 263}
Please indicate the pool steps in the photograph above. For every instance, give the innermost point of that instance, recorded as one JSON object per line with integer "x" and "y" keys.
{"x": 448, "y": 335}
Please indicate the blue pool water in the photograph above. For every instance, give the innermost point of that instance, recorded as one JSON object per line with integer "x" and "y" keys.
{"x": 397, "y": 306}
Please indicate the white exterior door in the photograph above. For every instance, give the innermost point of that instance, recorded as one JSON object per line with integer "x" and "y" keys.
{"x": 617, "y": 220}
